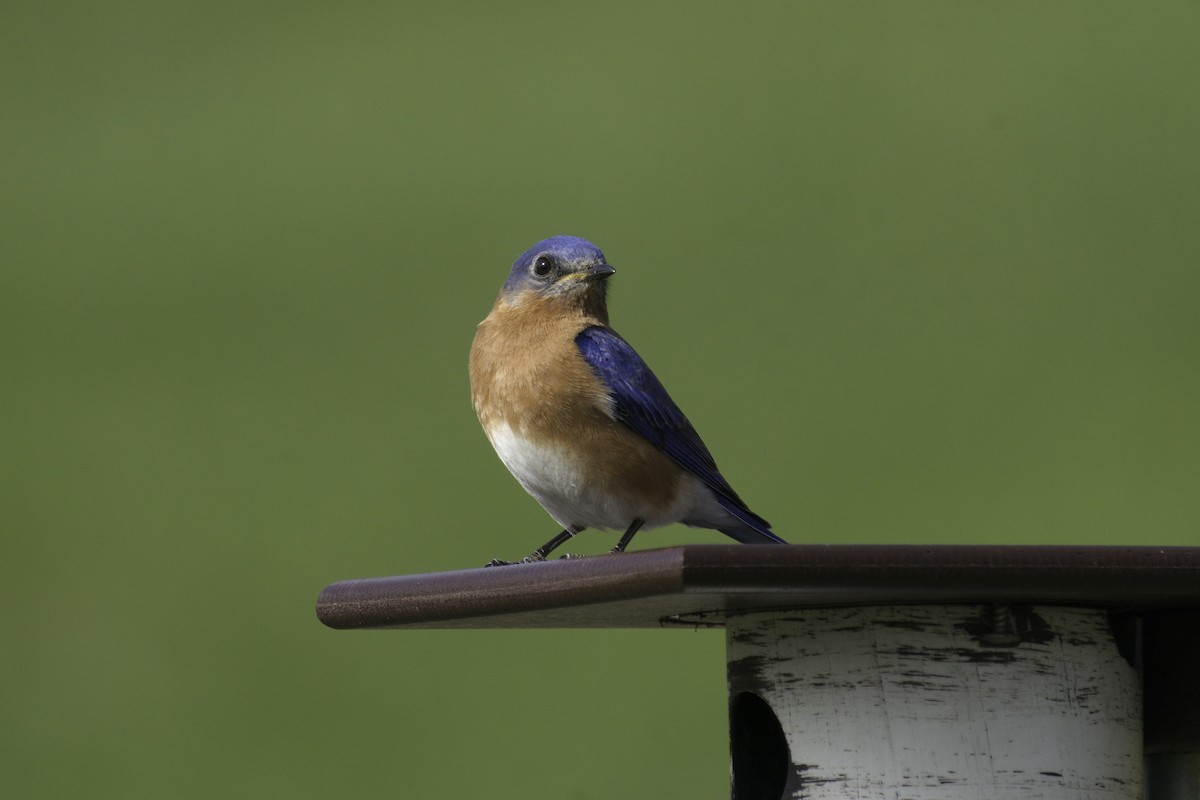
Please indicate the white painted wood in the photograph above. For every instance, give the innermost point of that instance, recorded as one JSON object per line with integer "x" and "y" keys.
{"x": 905, "y": 703}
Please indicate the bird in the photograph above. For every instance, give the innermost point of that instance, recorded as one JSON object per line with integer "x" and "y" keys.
{"x": 578, "y": 417}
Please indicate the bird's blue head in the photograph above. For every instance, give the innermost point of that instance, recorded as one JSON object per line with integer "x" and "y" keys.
{"x": 565, "y": 267}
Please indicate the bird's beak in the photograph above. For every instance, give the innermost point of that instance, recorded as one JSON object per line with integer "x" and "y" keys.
{"x": 598, "y": 272}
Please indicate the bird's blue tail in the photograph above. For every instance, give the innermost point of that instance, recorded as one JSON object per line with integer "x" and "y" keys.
{"x": 749, "y": 535}
{"x": 753, "y": 530}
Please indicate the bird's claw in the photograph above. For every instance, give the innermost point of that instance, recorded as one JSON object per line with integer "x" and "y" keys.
{"x": 565, "y": 556}
{"x": 532, "y": 558}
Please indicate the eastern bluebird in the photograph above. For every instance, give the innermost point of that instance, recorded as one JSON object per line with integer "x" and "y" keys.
{"x": 580, "y": 420}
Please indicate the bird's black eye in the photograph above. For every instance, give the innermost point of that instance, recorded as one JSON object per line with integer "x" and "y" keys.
{"x": 543, "y": 266}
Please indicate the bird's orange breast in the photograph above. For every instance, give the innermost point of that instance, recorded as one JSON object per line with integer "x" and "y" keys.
{"x": 529, "y": 379}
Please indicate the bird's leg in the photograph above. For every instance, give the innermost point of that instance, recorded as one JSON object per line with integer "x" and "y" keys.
{"x": 545, "y": 550}
{"x": 541, "y": 553}
{"x": 628, "y": 537}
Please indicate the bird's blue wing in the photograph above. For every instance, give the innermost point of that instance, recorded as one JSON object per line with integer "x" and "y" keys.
{"x": 643, "y": 404}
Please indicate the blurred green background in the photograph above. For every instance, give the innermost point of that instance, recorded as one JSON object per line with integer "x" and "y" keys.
{"x": 918, "y": 273}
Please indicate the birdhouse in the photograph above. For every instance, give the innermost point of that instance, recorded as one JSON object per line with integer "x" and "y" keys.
{"x": 925, "y": 673}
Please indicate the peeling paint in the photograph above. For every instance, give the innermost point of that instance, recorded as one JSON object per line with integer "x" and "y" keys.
{"x": 906, "y": 702}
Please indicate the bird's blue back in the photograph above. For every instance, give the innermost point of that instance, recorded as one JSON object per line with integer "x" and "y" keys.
{"x": 642, "y": 403}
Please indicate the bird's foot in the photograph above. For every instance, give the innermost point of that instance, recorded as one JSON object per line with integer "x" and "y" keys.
{"x": 532, "y": 558}
{"x": 565, "y": 556}
{"x": 541, "y": 553}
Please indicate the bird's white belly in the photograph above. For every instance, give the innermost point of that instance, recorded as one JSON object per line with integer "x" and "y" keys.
{"x": 557, "y": 480}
